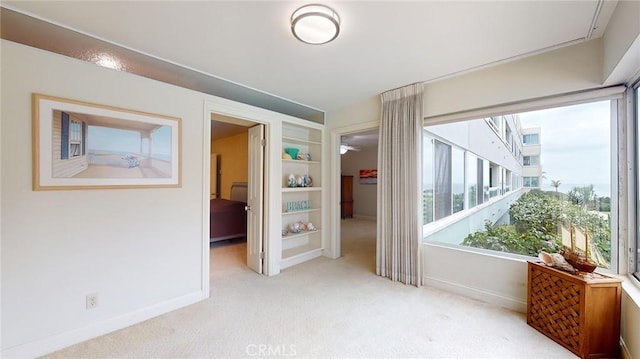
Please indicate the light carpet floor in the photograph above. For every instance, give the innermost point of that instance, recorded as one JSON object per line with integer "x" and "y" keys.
{"x": 323, "y": 308}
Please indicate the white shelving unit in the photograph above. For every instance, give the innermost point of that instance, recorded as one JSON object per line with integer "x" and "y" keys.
{"x": 301, "y": 204}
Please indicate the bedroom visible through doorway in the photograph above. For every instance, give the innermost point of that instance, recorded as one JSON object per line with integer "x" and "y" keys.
{"x": 232, "y": 183}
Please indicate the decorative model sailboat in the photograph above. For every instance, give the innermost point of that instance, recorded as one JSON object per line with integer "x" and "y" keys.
{"x": 576, "y": 248}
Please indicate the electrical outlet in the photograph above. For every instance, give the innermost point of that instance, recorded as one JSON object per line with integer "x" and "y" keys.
{"x": 92, "y": 300}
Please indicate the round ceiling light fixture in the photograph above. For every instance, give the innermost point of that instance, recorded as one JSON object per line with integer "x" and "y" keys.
{"x": 315, "y": 24}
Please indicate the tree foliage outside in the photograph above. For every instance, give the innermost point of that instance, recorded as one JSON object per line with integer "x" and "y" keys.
{"x": 534, "y": 226}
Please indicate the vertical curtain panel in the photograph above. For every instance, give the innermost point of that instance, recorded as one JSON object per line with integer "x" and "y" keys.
{"x": 399, "y": 224}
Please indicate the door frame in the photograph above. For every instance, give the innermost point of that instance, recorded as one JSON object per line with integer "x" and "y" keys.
{"x": 272, "y": 230}
{"x": 336, "y": 165}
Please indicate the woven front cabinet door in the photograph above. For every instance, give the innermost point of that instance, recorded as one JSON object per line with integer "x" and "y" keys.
{"x": 580, "y": 312}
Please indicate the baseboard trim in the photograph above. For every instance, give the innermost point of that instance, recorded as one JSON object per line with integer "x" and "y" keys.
{"x": 503, "y": 301}
{"x": 624, "y": 350}
{"x": 59, "y": 341}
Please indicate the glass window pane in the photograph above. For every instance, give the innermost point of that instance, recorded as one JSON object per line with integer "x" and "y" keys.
{"x": 457, "y": 179}
{"x": 442, "y": 182}
{"x": 472, "y": 180}
{"x": 427, "y": 179}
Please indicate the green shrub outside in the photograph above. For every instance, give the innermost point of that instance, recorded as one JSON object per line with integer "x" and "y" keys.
{"x": 535, "y": 217}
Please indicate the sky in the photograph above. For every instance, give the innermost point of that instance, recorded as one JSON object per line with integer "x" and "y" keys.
{"x": 575, "y": 143}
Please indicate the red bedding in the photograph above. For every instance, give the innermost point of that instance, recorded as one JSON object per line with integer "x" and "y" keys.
{"x": 228, "y": 219}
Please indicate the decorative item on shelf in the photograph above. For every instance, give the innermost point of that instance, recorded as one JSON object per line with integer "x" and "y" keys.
{"x": 285, "y": 232}
{"x": 308, "y": 182}
{"x": 294, "y": 180}
{"x": 307, "y": 156}
{"x": 294, "y": 206}
{"x": 291, "y": 181}
{"x": 302, "y": 156}
{"x": 286, "y": 156}
{"x": 295, "y": 227}
{"x": 293, "y": 152}
{"x": 299, "y": 227}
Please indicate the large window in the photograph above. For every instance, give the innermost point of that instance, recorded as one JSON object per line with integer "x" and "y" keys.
{"x": 515, "y": 204}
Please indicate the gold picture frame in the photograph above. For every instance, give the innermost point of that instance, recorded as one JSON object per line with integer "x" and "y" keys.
{"x": 81, "y": 145}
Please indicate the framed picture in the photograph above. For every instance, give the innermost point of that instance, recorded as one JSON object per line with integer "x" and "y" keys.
{"x": 79, "y": 145}
{"x": 369, "y": 176}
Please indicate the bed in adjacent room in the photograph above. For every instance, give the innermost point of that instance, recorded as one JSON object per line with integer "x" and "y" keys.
{"x": 228, "y": 218}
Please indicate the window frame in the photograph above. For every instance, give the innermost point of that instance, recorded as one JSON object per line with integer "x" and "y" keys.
{"x": 633, "y": 108}
{"x": 614, "y": 94}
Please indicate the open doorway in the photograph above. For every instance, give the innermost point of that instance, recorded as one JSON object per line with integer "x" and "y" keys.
{"x": 358, "y": 194}
{"x": 236, "y": 192}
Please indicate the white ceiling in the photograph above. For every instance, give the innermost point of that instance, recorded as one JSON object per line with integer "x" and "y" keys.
{"x": 382, "y": 44}
{"x": 362, "y": 140}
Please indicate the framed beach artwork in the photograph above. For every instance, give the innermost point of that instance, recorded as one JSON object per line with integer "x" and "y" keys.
{"x": 369, "y": 176}
{"x": 79, "y": 145}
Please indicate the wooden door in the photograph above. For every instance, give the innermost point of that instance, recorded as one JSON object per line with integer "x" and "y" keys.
{"x": 346, "y": 197}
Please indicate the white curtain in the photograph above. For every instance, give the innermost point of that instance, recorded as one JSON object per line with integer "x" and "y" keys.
{"x": 399, "y": 182}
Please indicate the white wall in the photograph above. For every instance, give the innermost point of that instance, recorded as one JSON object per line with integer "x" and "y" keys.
{"x": 622, "y": 43}
{"x": 361, "y": 116}
{"x": 365, "y": 196}
{"x": 573, "y": 68}
{"x": 630, "y": 324}
{"x": 139, "y": 249}
{"x": 482, "y": 276}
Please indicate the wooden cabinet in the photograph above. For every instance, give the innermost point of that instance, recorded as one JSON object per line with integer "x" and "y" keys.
{"x": 346, "y": 197}
{"x": 580, "y": 312}
{"x": 301, "y": 203}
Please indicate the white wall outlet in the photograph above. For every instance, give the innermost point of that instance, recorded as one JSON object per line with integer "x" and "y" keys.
{"x": 92, "y": 300}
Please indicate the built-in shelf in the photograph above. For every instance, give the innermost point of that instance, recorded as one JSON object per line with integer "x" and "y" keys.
{"x": 301, "y": 234}
{"x": 303, "y": 246}
{"x": 301, "y": 211}
{"x": 302, "y": 189}
{"x": 302, "y": 162}
{"x": 299, "y": 140}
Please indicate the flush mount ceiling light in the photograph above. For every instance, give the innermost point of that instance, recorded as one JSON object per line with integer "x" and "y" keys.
{"x": 315, "y": 24}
